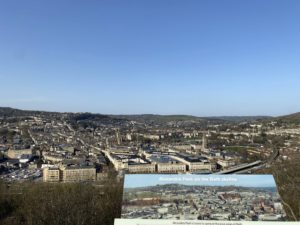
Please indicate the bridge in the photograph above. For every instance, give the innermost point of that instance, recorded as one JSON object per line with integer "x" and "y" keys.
{"x": 274, "y": 156}
{"x": 245, "y": 168}
{"x": 241, "y": 167}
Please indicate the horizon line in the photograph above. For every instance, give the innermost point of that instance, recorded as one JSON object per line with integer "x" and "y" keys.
{"x": 139, "y": 114}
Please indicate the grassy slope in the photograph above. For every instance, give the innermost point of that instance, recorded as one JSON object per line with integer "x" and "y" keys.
{"x": 41, "y": 203}
{"x": 293, "y": 118}
{"x": 287, "y": 176}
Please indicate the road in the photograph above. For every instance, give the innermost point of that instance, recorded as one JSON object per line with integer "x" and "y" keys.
{"x": 249, "y": 168}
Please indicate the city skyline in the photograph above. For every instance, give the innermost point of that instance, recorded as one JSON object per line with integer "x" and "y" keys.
{"x": 202, "y": 58}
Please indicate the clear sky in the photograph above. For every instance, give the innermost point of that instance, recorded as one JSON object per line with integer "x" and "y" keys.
{"x": 198, "y": 57}
{"x": 216, "y": 180}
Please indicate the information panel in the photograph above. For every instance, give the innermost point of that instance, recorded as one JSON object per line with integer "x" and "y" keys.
{"x": 202, "y": 197}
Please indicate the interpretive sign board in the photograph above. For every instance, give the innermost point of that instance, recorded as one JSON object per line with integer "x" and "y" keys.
{"x": 202, "y": 197}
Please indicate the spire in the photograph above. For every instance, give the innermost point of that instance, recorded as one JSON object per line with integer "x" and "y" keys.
{"x": 204, "y": 142}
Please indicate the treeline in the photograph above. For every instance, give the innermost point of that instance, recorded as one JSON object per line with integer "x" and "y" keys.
{"x": 287, "y": 177}
{"x": 73, "y": 203}
{"x": 7, "y": 135}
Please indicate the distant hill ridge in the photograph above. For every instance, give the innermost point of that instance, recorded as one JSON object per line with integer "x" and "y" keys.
{"x": 292, "y": 118}
{"x": 8, "y": 112}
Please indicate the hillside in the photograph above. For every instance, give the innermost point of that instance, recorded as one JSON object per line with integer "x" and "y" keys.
{"x": 158, "y": 118}
{"x": 169, "y": 118}
{"x": 292, "y": 118}
{"x": 239, "y": 118}
{"x": 11, "y": 112}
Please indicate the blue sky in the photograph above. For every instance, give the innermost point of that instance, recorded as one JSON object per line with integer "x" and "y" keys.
{"x": 206, "y": 58}
{"x": 142, "y": 180}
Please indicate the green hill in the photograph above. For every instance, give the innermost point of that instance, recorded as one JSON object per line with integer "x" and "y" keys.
{"x": 292, "y": 118}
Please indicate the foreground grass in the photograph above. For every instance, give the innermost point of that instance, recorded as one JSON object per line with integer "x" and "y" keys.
{"x": 41, "y": 203}
{"x": 287, "y": 176}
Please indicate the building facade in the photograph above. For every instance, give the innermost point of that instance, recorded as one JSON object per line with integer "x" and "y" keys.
{"x": 69, "y": 174}
{"x": 75, "y": 174}
{"x": 51, "y": 174}
{"x": 171, "y": 168}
